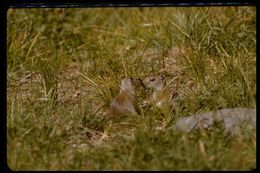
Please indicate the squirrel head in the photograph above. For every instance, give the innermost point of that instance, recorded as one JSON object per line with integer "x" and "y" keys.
{"x": 155, "y": 82}
{"x": 130, "y": 84}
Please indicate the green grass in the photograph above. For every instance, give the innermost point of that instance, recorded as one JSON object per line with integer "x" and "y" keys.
{"x": 65, "y": 65}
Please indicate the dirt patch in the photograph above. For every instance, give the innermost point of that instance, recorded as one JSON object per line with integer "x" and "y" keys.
{"x": 30, "y": 86}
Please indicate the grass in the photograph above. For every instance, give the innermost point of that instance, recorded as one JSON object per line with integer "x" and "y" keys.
{"x": 64, "y": 67}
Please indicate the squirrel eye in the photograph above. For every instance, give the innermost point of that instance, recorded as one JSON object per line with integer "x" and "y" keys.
{"x": 152, "y": 79}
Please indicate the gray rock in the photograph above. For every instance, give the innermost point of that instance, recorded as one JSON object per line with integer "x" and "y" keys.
{"x": 232, "y": 120}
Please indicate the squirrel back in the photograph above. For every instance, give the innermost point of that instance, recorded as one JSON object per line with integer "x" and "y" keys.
{"x": 126, "y": 101}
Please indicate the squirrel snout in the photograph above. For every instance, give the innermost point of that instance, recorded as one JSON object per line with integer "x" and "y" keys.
{"x": 141, "y": 82}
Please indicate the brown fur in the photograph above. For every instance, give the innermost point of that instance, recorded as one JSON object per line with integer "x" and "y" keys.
{"x": 161, "y": 95}
{"x": 125, "y": 103}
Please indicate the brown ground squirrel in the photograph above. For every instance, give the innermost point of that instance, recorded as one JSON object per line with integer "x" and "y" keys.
{"x": 161, "y": 94}
{"x": 126, "y": 101}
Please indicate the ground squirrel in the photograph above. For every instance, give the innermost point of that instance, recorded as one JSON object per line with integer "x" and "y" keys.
{"x": 126, "y": 101}
{"x": 161, "y": 94}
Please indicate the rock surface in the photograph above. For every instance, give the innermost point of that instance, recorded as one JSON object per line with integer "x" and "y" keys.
{"x": 232, "y": 120}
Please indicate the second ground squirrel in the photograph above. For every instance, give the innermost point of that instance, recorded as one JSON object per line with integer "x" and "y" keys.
{"x": 161, "y": 94}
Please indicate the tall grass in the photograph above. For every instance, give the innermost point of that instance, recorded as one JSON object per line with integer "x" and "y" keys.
{"x": 76, "y": 58}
